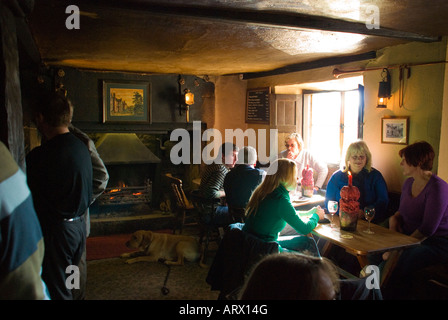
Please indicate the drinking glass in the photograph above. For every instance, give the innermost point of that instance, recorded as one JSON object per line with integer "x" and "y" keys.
{"x": 369, "y": 213}
{"x": 332, "y": 208}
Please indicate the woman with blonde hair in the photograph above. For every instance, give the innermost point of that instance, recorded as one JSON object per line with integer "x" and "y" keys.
{"x": 270, "y": 209}
{"x": 369, "y": 181}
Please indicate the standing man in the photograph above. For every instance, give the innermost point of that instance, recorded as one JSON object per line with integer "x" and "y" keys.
{"x": 60, "y": 179}
{"x": 100, "y": 177}
{"x": 302, "y": 157}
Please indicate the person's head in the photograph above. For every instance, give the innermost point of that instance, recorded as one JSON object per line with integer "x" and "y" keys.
{"x": 291, "y": 277}
{"x": 247, "y": 155}
{"x": 228, "y": 154}
{"x": 419, "y": 154}
{"x": 282, "y": 171}
{"x": 53, "y": 110}
{"x": 357, "y": 157}
{"x": 294, "y": 143}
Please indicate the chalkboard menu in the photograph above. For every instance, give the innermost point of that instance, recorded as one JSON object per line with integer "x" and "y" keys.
{"x": 258, "y": 106}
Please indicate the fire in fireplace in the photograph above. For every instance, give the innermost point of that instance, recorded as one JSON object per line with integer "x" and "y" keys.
{"x": 131, "y": 167}
{"x": 125, "y": 195}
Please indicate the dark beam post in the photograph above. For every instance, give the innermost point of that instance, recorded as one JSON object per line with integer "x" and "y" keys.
{"x": 11, "y": 114}
{"x": 325, "y": 62}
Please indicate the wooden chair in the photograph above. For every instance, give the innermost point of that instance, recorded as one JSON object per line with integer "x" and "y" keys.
{"x": 185, "y": 212}
{"x": 237, "y": 253}
{"x": 209, "y": 232}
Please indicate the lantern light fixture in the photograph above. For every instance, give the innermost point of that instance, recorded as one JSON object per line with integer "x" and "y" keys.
{"x": 384, "y": 89}
{"x": 189, "y": 97}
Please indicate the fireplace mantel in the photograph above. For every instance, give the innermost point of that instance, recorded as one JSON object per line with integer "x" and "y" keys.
{"x": 153, "y": 128}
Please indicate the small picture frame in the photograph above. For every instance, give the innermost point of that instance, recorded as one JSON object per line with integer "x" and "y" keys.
{"x": 395, "y": 130}
{"x": 126, "y": 101}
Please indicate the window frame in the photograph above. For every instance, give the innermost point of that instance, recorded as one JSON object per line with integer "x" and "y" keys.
{"x": 307, "y": 114}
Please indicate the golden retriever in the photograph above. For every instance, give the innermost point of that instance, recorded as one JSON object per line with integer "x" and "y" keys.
{"x": 170, "y": 248}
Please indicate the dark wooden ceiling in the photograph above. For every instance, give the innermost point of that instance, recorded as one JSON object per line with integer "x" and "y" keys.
{"x": 218, "y": 37}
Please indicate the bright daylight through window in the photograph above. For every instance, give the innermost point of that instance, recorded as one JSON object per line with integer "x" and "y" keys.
{"x": 331, "y": 123}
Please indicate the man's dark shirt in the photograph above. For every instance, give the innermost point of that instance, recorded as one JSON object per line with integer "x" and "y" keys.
{"x": 240, "y": 183}
{"x": 59, "y": 175}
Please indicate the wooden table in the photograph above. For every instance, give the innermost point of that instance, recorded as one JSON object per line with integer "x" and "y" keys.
{"x": 315, "y": 200}
{"x": 363, "y": 244}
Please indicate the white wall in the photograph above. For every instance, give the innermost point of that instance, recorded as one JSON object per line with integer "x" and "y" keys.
{"x": 425, "y": 102}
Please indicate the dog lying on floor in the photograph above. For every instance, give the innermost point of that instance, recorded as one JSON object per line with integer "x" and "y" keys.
{"x": 170, "y": 248}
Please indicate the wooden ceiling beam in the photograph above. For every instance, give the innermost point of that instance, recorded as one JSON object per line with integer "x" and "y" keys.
{"x": 268, "y": 18}
{"x": 325, "y": 62}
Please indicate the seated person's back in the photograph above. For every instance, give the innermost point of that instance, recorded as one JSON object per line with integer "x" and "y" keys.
{"x": 242, "y": 180}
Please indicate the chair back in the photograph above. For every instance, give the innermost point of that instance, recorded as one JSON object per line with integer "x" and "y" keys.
{"x": 237, "y": 253}
{"x": 178, "y": 192}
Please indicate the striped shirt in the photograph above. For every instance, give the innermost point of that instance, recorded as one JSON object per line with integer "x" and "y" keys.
{"x": 21, "y": 241}
{"x": 212, "y": 180}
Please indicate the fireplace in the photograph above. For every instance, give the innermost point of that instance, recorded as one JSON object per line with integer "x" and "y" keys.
{"x": 132, "y": 169}
{"x": 136, "y": 197}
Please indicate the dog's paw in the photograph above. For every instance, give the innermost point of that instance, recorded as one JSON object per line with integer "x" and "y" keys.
{"x": 125, "y": 255}
{"x": 174, "y": 263}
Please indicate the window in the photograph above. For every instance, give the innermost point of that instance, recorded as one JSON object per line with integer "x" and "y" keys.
{"x": 331, "y": 123}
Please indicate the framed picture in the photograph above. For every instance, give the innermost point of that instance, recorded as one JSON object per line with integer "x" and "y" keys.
{"x": 126, "y": 101}
{"x": 395, "y": 130}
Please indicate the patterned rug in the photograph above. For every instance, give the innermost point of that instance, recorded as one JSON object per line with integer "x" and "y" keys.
{"x": 112, "y": 246}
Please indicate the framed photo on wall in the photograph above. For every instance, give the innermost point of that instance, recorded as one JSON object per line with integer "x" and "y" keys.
{"x": 395, "y": 130}
{"x": 126, "y": 101}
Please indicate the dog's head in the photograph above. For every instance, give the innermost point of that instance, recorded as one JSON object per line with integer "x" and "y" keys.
{"x": 140, "y": 240}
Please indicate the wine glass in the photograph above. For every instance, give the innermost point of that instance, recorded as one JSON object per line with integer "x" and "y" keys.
{"x": 332, "y": 208}
{"x": 369, "y": 213}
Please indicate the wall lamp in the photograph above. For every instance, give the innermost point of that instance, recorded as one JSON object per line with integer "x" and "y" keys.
{"x": 185, "y": 100}
{"x": 189, "y": 97}
{"x": 384, "y": 91}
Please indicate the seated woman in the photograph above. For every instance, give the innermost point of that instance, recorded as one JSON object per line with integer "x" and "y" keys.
{"x": 423, "y": 214}
{"x": 270, "y": 209}
{"x": 372, "y": 188}
{"x": 369, "y": 181}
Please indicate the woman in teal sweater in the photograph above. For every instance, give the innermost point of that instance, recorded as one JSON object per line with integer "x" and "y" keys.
{"x": 270, "y": 209}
